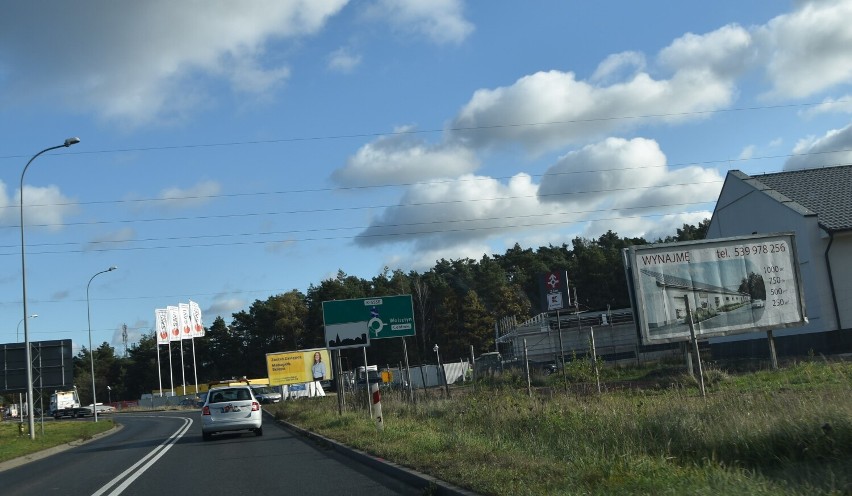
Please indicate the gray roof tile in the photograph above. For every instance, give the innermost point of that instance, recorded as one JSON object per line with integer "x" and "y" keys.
{"x": 826, "y": 191}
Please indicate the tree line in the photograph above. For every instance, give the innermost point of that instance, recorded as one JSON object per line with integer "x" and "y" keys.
{"x": 456, "y": 305}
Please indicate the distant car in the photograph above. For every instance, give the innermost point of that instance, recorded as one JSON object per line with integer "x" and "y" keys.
{"x": 191, "y": 402}
{"x": 266, "y": 395}
{"x": 102, "y": 410}
{"x": 757, "y": 303}
{"x": 232, "y": 408}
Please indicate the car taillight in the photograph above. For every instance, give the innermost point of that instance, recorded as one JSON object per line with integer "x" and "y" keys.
{"x": 255, "y": 406}
{"x": 205, "y": 410}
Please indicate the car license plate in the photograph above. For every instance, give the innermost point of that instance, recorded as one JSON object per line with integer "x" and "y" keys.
{"x": 230, "y": 408}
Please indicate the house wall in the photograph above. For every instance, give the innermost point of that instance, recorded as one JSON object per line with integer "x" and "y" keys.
{"x": 744, "y": 210}
{"x": 841, "y": 268}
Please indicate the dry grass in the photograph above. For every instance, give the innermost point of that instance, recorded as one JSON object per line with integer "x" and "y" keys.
{"x": 786, "y": 432}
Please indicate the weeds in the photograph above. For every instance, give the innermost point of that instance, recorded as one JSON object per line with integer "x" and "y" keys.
{"x": 752, "y": 434}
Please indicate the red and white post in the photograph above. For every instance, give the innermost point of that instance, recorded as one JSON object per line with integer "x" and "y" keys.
{"x": 376, "y": 407}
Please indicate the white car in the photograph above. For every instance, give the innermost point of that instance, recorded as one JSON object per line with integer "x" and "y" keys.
{"x": 232, "y": 408}
{"x": 266, "y": 395}
{"x": 102, "y": 409}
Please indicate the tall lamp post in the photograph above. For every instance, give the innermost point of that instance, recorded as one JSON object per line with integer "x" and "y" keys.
{"x": 28, "y": 351}
{"x": 21, "y": 396}
{"x": 91, "y": 350}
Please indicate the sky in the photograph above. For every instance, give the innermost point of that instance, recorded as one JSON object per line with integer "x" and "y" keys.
{"x": 234, "y": 150}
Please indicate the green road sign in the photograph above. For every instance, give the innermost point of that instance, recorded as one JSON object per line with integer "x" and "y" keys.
{"x": 352, "y": 323}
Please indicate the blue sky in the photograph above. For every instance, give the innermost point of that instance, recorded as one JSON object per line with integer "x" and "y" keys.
{"x": 235, "y": 150}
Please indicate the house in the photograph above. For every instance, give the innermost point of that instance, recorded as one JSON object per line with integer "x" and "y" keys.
{"x": 816, "y": 205}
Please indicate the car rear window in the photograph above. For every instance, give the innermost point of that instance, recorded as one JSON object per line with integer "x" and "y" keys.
{"x": 233, "y": 394}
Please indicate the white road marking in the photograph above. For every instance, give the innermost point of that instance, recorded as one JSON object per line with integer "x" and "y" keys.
{"x": 131, "y": 474}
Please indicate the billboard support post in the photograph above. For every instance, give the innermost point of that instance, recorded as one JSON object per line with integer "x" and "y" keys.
{"x": 772, "y": 356}
{"x": 338, "y": 375}
{"x": 561, "y": 349}
{"x": 367, "y": 383}
{"x": 595, "y": 357}
{"x": 408, "y": 388}
{"x": 687, "y": 357}
{"x": 473, "y": 367}
{"x": 527, "y": 370}
{"x": 694, "y": 345}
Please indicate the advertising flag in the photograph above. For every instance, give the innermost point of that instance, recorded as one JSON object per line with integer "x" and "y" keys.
{"x": 185, "y": 321}
{"x": 174, "y": 323}
{"x": 162, "y": 319}
{"x": 197, "y": 323}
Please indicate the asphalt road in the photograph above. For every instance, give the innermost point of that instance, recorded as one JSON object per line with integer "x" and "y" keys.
{"x": 162, "y": 452}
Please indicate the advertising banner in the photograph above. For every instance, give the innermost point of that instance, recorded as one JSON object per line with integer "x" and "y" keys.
{"x": 197, "y": 322}
{"x": 185, "y": 320}
{"x": 174, "y": 323}
{"x": 162, "y": 318}
{"x": 732, "y": 285}
{"x": 298, "y": 367}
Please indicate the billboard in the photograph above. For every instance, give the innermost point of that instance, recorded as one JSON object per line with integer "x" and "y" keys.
{"x": 732, "y": 285}
{"x": 53, "y": 366}
{"x": 296, "y": 367}
{"x": 353, "y": 323}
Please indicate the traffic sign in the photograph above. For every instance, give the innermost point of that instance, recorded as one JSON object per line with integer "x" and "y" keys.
{"x": 353, "y": 323}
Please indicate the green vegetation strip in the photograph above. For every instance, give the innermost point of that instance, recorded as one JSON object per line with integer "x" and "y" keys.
{"x": 14, "y": 445}
{"x": 786, "y": 432}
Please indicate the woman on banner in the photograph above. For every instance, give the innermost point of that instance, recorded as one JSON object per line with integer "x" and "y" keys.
{"x": 318, "y": 372}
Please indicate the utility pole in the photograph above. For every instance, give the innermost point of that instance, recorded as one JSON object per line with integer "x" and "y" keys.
{"x": 124, "y": 338}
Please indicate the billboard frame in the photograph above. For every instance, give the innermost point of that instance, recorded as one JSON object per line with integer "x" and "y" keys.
{"x": 702, "y": 272}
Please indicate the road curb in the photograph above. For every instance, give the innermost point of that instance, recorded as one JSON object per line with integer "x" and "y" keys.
{"x": 404, "y": 474}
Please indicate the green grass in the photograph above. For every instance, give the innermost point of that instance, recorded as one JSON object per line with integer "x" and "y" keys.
{"x": 785, "y": 432}
{"x": 14, "y": 445}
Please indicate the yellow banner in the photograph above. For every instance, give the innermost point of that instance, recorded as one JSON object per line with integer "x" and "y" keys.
{"x": 297, "y": 367}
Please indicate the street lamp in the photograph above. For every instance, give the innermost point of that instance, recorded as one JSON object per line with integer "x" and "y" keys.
{"x": 17, "y": 331}
{"x": 109, "y": 395}
{"x": 28, "y": 351}
{"x": 91, "y": 350}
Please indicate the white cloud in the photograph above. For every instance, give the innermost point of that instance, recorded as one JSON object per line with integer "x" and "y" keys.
{"x": 343, "y": 60}
{"x": 808, "y": 50}
{"x": 619, "y": 66}
{"x": 746, "y": 153}
{"x": 833, "y": 148}
{"x": 446, "y": 214}
{"x": 550, "y": 110}
{"x": 627, "y": 178}
{"x": 609, "y": 182}
{"x": 442, "y": 21}
{"x": 139, "y": 62}
{"x": 195, "y": 196}
{"x": 648, "y": 227}
{"x": 44, "y": 206}
{"x": 400, "y": 158}
{"x": 842, "y": 105}
{"x": 725, "y": 52}
{"x": 595, "y": 173}
{"x": 223, "y": 305}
